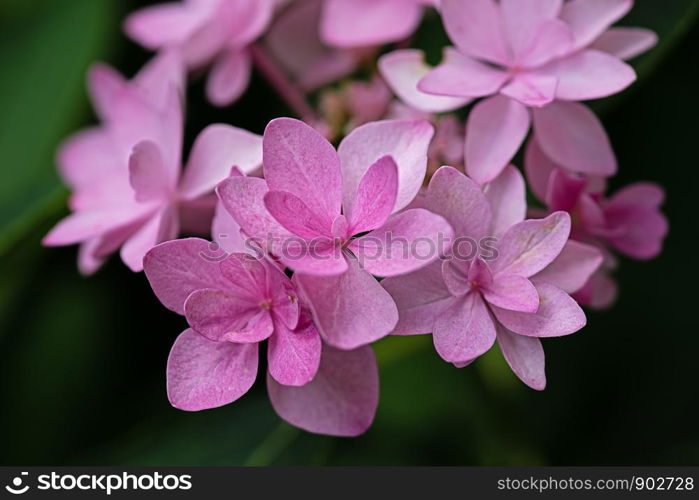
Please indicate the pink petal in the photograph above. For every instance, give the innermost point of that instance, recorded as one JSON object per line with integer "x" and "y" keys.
{"x": 350, "y": 310}
{"x": 625, "y": 43}
{"x": 495, "y": 130}
{"x": 531, "y": 89}
{"x": 86, "y": 156}
{"x": 461, "y": 76}
{"x": 318, "y": 257}
{"x": 376, "y": 196}
{"x": 455, "y": 276}
{"x": 177, "y": 268}
{"x": 525, "y": 355}
{"x": 573, "y": 137}
{"x": 362, "y": 23}
{"x": 408, "y": 241}
{"x": 105, "y": 85}
{"x": 299, "y": 160}
{"x": 202, "y": 374}
{"x": 420, "y": 297}
{"x": 229, "y": 77}
{"x": 599, "y": 293}
{"x": 284, "y": 296}
{"x": 572, "y": 268}
{"x": 223, "y": 317}
{"x": 147, "y": 173}
{"x": 406, "y": 141}
{"x": 590, "y": 18}
{"x": 465, "y": 330}
{"x": 294, "y": 356}
{"x": 247, "y": 276}
{"x": 513, "y": 293}
{"x": 530, "y": 246}
{"x": 475, "y": 26}
{"x": 218, "y": 148}
{"x": 340, "y": 401}
{"x": 166, "y": 24}
{"x": 558, "y": 315}
{"x": 163, "y": 226}
{"x": 645, "y": 194}
{"x": 553, "y": 40}
{"x": 479, "y": 273}
{"x": 226, "y": 232}
{"x": 158, "y": 76}
{"x": 639, "y": 230}
{"x": 538, "y": 168}
{"x": 292, "y": 213}
{"x": 402, "y": 70}
{"x": 506, "y": 195}
{"x": 564, "y": 190}
{"x": 461, "y": 202}
{"x": 590, "y": 74}
{"x": 522, "y": 20}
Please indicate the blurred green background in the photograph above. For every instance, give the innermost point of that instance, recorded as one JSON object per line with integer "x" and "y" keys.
{"x": 82, "y": 361}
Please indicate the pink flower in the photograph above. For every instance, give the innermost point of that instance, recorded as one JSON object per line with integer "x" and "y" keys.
{"x": 532, "y": 59}
{"x": 315, "y": 204}
{"x": 128, "y": 188}
{"x": 234, "y": 304}
{"x": 361, "y": 23}
{"x": 216, "y": 32}
{"x": 630, "y": 221}
{"x": 506, "y": 278}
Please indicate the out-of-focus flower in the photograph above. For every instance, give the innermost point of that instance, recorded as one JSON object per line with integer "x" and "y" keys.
{"x": 206, "y": 32}
{"x": 505, "y": 278}
{"x": 630, "y": 221}
{"x": 129, "y": 190}
{"x": 361, "y": 23}
{"x": 324, "y": 212}
{"x": 231, "y": 306}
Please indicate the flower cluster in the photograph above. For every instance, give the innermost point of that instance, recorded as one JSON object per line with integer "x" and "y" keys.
{"x": 416, "y": 223}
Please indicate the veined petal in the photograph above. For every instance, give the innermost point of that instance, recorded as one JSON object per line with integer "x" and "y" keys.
{"x": 376, "y": 196}
{"x": 294, "y": 355}
{"x": 465, "y": 330}
{"x": 292, "y": 213}
{"x": 525, "y": 355}
{"x": 513, "y": 293}
{"x": 573, "y": 267}
{"x": 506, "y": 195}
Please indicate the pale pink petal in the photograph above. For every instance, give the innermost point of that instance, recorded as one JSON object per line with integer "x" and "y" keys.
{"x": 573, "y": 137}
{"x": 525, "y": 355}
{"x": 638, "y": 230}
{"x": 465, "y": 330}
{"x": 532, "y": 89}
{"x": 553, "y": 40}
{"x": 522, "y": 20}
{"x": 292, "y": 213}
{"x": 645, "y": 194}
{"x": 572, "y": 268}
{"x": 247, "y": 20}
{"x": 86, "y": 157}
{"x": 362, "y": 23}
{"x": 163, "y": 226}
{"x": 376, "y": 197}
{"x": 299, "y": 160}
{"x": 351, "y": 309}
{"x": 538, "y": 168}
{"x": 590, "y": 18}
{"x": 229, "y": 77}
{"x": 163, "y": 72}
{"x": 420, "y": 297}
{"x": 105, "y": 85}
{"x": 479, "y": 273}
{"x": 294, "y": 356}
{"x": 513, "y": 293}
{"x": 218, "y": 148}
{"x": 202, "y": 374}
{"x": 475, "y": 26}
{"x": 600, "y": 292}
{"x": 455, "y": 276}
{"x": 530, "y": 246}
{"x": 590, "y": 74}
{"x": 223, "y": 317}
{"x": 166, "y": 24}
{"x": 340, "y": 401}
{"x": 406, "y": 141}
{"x": 461, "y": 76}
{"x": 558, "y": 315}
{"x": 461, "y": 202}
{"x": 495, "y": 130}
{"x": 147, "y": 173}
{"x": 625, "y": 43}
{"x": 507, "y": 197}
{"x": 177, "y": 268}
{"x": 226, "y": 232}
{"x": 402, "y": 70}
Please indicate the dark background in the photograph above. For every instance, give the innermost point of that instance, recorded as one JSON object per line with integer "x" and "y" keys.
{"x": 82, "y": 361}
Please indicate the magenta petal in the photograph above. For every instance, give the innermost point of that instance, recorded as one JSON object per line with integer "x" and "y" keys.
{"x": 530, "y": 246}
{"x": 299, "y": 160}
{"x": 350, "y": 310}
{"x": 202, "y": 374}
{"x": 177, "y": 268}
{"x": 340, "y": 401}
{"x": 465, "y": 330}
{"x": 292, "y": 213}
{"x": 624, "y": 42}
{"x": 513, "y": 293}
{"x": 420, "y": 297}
{"x": 229, "y": 77}
{"x": 506, "y": 195}
{"x": 408, "y": 241}
{"x": 376, "y": 196}
{"x": 294, "y": 355}
{"x": 576, "y": 263}
{"x": 246, "y": 274}
{"x": 564, "y": 190}
{"x": 525, "y": 355}
{"x": 590, "y": 18}
{"x": 600, "y": 292}
{"x": 638, "y": 230}
{"x": 495, "y": 130}
{"x": 558, "y": 315}
{"x": 573, "y": 137}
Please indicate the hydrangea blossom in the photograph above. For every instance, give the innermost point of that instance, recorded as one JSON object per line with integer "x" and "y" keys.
{"x": 506, "y": 278}
{"x": 231, "y": 306}
{"x": 532, "y": 59}
{"x": 315, "y": 204}
{"x": 203, "y": 32}
{"x": 629, "y": 221}
{"x": 128, "y": 188}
